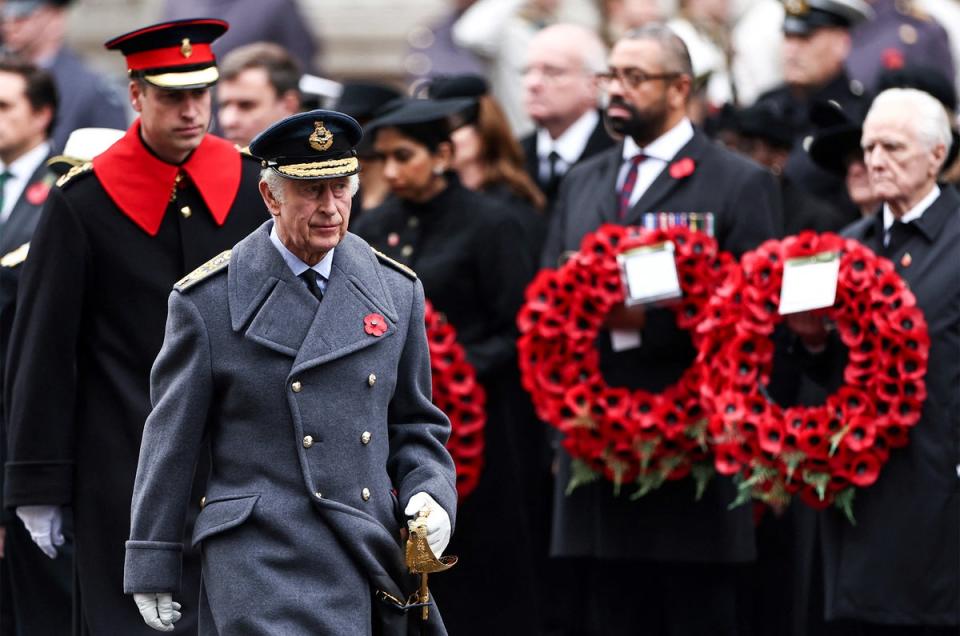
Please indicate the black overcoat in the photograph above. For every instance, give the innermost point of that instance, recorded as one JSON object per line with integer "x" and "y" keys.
{"x": 666, "y": 525}
{"x": 92, "y": 305}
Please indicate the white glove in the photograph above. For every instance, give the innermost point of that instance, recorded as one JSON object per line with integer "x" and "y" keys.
{"x": 438, "y": 521}
{"x": 44, "y": 523}
{"x": 158, "y": 610}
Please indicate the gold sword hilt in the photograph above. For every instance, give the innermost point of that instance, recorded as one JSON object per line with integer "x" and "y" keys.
{"x": 421, "y": 559}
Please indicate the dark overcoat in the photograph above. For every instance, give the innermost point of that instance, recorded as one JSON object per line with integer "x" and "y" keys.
{"x": 319, "y": 434}
{"x": 91, "y": 309}
{"x": 665, "y": 525}
{"x": 900, "y": 564}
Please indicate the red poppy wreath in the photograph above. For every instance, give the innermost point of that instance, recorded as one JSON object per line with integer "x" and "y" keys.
{"x": 825, "y": 452}
{"x": 457, "y": 393}
{"x": 629, "y": 437}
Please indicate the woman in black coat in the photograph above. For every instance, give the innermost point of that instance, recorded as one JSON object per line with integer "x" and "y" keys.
{"x": 470, "y": 254}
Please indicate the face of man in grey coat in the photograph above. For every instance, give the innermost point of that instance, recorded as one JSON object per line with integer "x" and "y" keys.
{"x": 311, "y": 215}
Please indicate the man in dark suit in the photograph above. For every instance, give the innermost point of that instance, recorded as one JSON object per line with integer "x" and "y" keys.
{"x": 665, "y": 563}
{"x": 896, "y": 570}
{"x": 36, "y": 589}
{"x": 35, "y": 30}
{"x": 560, "y": 96}
{"x": 114, "y": 236}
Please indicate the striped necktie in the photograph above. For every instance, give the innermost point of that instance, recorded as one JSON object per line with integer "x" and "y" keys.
{"x": 626, "y": 191}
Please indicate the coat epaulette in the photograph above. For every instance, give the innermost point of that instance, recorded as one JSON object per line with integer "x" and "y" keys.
{"x": 75, "y": 171}
{"x": 400, "y": 267}
{"x": 17, "y": 256}
{"x": 214, "y": 265}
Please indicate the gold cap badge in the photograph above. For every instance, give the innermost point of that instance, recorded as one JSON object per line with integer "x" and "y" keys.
{"x": 320, "y": 139}
{"x": 796, "y": 7}
{"x": 186, "y": 49}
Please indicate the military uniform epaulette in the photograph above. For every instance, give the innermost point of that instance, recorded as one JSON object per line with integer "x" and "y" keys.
{"x": 211, "y": 267}
{"x": 75, "y": 171}
{"x": 400, "y": 267}
{"x": 15, "y": 257}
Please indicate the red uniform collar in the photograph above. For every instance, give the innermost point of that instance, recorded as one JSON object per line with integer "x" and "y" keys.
{"x": 140, "y": 184}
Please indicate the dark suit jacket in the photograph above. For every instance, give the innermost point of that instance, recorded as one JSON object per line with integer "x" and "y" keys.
{"x": 915, "y": 503}
{"x": 666, "y": 525}
{"x": 598, "y": 141}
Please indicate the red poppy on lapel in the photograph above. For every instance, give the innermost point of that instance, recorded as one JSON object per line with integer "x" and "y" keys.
{"x": 37, "y": 193}
{"x": 892, "y": 58}
{"x": 375, "y": 325}
{"x": 682, "y": 168}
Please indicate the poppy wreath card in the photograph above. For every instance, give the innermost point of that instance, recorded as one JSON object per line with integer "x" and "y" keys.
{"x": 630, "y": 437}
{"x": 821, "y": 453}
{"x": 457, "y": 393}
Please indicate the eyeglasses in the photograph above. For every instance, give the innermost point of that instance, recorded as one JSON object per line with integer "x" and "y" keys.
{"x": 631, "y": 76}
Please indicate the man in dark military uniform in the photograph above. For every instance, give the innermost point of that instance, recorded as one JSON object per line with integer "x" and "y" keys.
{"x": 816, "y": 45}
{"x": 112, "y": 239}
{"x": 302, "y": 354}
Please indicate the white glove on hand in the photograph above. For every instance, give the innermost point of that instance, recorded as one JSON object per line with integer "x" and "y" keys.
{"x": 44, "y": 523}
{"x": 438, "y": 521}
{"x": 158, "y": 610}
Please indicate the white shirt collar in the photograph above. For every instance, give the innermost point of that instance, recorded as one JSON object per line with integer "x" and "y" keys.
{"x": 27, "y": 164}
{"x": 665, "y": 147}
{"x": 913, "y": 213}
{"x": 571, "y": 143}
{"x": 294, "y": 263}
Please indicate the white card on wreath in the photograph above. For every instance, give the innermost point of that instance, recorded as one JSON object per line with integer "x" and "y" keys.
{"x": 649, "y": 273}
{"x": 809, "y": 283}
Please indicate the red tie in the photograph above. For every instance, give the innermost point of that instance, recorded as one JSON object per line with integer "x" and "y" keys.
{"x": 626, "y": 191}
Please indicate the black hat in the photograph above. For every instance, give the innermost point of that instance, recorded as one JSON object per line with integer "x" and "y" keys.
{"x": 451, "y": 86}
{"x": 446, "y": 115}
{"x": 361, "y": 100}
{"x": 172, "y": 55}
{"x": 766, "y": 120}
{"x": 837, "y": 139}
{"x": 318, "y": 144}
{"x": 805, "y": 16}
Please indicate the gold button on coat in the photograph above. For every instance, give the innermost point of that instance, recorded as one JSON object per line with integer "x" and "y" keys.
{"x": 365, "y": 437}
{"x": 296, "y": 386}
{"x": 365, "y": 494}
{"x": 186, "y": 211}
{"x": 372, "y": 379}
{"x": 307, "y": 441}
{"x": 318, "y": 495}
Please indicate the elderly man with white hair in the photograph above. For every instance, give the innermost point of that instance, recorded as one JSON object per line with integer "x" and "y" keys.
{"x": 897, "y": 571}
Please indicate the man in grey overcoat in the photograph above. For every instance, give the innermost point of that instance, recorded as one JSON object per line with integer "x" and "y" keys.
{"x": 301, "y": 355}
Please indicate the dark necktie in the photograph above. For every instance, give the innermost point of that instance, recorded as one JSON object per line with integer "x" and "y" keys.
{"x": 310, "y": 279}
{"x": 5, "y": 176}
{"x": 553, "y": 175}
{"x": 898, "y": 234}
{"x": 626, "y": 191}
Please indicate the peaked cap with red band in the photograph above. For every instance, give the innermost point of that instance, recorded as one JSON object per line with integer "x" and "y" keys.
{"x": 172, "y": 55}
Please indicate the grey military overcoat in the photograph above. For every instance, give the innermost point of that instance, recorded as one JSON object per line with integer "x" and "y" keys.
{"x": 319, "y": 434}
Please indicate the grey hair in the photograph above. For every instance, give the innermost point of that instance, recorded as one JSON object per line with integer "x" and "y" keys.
{"x": 930, "y": 120}
{"x": 676, "y": 57}
{"x": 274, "y": 181}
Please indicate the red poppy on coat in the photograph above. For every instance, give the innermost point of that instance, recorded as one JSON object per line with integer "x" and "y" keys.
{"x": 860, "y": 434}
{"x": 375, "y": 325}
{"x": 682, "y": 168}
{"x": 865, "y": 470}
{"x": 37, "y": 193}
{"x": 892, "y": 58}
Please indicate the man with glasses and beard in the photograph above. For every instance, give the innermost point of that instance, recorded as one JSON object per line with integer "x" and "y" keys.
{"x": 677, "y": 556}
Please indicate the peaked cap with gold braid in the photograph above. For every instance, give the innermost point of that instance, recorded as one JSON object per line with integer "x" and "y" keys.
{"x": 319, "y": 144}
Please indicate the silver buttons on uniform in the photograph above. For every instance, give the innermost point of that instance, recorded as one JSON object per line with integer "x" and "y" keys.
{"x": 372, "y": 379}
{"x": 365, "y": 437}
{"x": 186, "y": 212}
{"x": 307, "y": 441}
{"x": 407, "y": 251}
{"x": 318, "y": 495}
{"x": 296, "y": 387}
{"x": 365, "y": 494}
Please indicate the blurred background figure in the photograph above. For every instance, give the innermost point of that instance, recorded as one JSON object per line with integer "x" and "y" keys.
{"x": 704, "y": 26}
{"x": 361, "y": 100}
{"x": 561, "y": 97}
{"x": 766, "y": 136}
{"x": 258, "y": 86}
{"x": 277, "y": 21}
{"x": 815, "y": 48}
{"x": 499, "y": 32}
{"x": 757, "y": 43}
{"x": 619, "y": 16}
{"x": 432, "y": 51}
{"x": 901, "y": 34}
{"x": 470, "y": 255}
{"x": 35, "y": 30}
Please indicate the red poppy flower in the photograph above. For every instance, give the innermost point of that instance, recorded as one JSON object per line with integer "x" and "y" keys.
{"x": 892, "y": 58}
{"x": 375, "y": 325}
{"x": 860, "y": 433}
{"x": 682, "y": 168}
{"x": 37, "y": 193}
{"x": 865, "y": 470}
